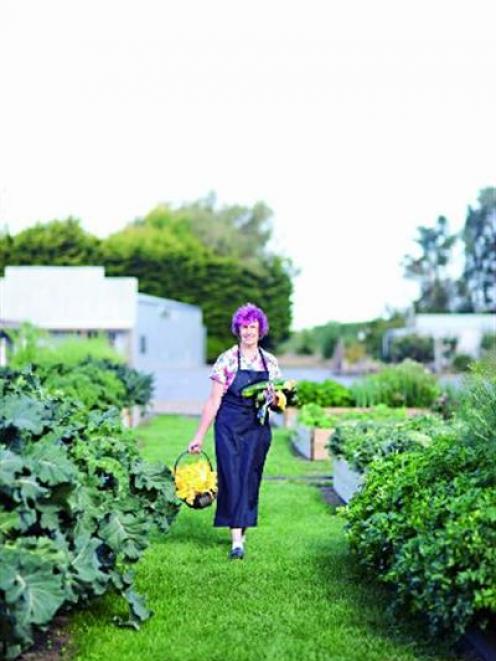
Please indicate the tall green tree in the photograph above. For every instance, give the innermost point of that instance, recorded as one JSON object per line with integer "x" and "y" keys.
{"x": 58, "y": 243}
{"x": 236, "y": 231}
{"x": 429, "y": 269}
{"x": 479, "y": 236}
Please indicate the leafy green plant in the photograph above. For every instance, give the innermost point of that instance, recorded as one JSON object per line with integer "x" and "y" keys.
{"x": 326, "y": 393}
{"x": 138, "y": 386}
{"x": 32, "y": 345}
{"x": 363, "y": 441}
{"x": 406, "y": 384}
{"x": 93, "y": 386}
{"x": 313, "y": 415}
{"x": 77, "y": 505}
{"x": 424, "y": 520}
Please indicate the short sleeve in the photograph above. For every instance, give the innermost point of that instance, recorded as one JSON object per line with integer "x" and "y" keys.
{"x": 218, "y": 371}
{"x": 273, "y": 365}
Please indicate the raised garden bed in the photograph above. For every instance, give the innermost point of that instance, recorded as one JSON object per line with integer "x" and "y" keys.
{"x": 135, "y": 415}
{"x": 310, "y": 442}
{"x": 346, "y": 480}
{"x": 290, "y": 414}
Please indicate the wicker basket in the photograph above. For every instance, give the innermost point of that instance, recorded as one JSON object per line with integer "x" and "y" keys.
{"x": 201, "y": 499}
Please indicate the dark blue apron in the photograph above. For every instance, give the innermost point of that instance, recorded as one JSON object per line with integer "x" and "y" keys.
{"x": 241, "y": 446}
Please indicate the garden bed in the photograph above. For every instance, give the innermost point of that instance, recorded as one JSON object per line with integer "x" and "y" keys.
{"x": 311, "y": 442}
{"x": 346, "y": 480}
{"x": 289, "y": 417}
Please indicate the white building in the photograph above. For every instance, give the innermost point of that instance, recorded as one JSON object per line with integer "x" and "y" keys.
{"x": 152, "y": 333}
{"x": 467, "y": 328}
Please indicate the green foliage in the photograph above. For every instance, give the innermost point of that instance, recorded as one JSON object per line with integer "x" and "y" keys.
{"x": 488, "y": 342}
{"x": 479, "y": 235}
{"x": 405, "y": 384}
{"x": 448, "y": 401}
{"x": 425, "y": 523}
{"x": 32, "y": 345}
{"x": 88, "y": 370}
{"x": 138, "y": 386}
{"x": 461, "y": 362}
{"x": 94, "y": 387}
{"x": 56, "y": 243}
{"x": 324, "y": 393}
{"x": 424, "y": 520}
{"x": 430, "y": 269}
{"x": 191, "y": 273}
{"x": 478, "y": 401}
{"x": 363, "y": 441}
{"x": 313, "y": 415}
{"x": 232, "y": 231}
{"x": 77, "y": 505}
{"x": 305, "y": 346}
{"x": 324, "y": 338}
{"x": 415, "y": 347}
{"x": 27, "y": 342}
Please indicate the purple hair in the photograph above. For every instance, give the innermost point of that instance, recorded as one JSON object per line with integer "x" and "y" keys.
{"x": 245, "y": 315}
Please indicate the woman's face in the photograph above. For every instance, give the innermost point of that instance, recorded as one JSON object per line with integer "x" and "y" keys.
{"x": 249, "y": 333}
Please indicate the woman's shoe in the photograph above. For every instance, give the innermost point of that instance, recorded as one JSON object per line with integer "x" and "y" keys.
{"x": 236, "y": 553}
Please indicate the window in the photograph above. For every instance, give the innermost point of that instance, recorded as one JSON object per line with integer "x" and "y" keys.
{"x": 142, "y": 343}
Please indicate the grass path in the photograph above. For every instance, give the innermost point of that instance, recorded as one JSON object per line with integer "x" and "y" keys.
{"x": 294, "y": 596}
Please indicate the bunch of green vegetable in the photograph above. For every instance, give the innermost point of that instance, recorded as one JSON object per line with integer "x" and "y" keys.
{"x": 274, "y": 394}
{"x": 77, "y": 505}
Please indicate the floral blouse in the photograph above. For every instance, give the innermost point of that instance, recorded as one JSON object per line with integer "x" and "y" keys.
{"x": 225, "y": 367}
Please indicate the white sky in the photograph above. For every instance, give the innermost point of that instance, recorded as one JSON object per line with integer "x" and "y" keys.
{"x": 355, "y": 121}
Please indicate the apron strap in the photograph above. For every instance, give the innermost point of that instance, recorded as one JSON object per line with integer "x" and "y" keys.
{"x": 263, "y": 359}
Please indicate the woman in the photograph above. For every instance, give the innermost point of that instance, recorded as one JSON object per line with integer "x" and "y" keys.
{"x": 241, "y": 442}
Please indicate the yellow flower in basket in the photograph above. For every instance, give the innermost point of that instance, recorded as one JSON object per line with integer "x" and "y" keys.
{"x": 196, "y": 483}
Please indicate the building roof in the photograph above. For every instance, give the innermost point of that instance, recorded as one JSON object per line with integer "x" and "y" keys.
{"x": 67, "y": 298}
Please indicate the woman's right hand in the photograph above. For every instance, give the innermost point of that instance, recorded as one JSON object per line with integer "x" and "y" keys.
{"x": 195, "y": 446}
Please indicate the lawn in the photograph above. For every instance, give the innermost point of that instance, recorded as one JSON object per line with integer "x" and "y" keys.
{"x": 294, "y": 596}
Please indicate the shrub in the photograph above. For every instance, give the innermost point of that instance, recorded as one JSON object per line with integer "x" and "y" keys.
{"x": 416, "y": 347}
{"x": 461, "y": 362}
{"x": 488, "y": 342}
{"x": 406, "y": 384}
